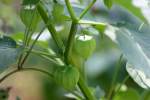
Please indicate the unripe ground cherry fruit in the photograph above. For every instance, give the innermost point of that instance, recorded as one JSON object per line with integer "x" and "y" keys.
{"x": 85, "y": 45}
{"x": 67, "y": 76}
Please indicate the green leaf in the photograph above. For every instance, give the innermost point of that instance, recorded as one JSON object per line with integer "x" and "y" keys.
{"x": 127, "y": 4}
{"x": 138, "y": 76}
{"x": 58, "y": 13}
{"x": 30, "y": 17}
{"x": 8, "y": 51}
{"x": 108, "y": 3}
{"x": 30, "y": 2}
{"x": 135, "y": 46}
{"x": 7, "y": 42}
{"x": 130, "y": 94}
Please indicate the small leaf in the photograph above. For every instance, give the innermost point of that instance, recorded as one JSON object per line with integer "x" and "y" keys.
{"x": 130, "y": 94}
{"x": 8, "y": 51}
{"x": 30, "y": 2}
{"x": 108, "y": 3}
{"x": 30, "y": 16}
{"x": 58, "y": 13}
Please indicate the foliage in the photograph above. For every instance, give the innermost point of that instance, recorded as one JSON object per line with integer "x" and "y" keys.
{"x": 62, "y": 38}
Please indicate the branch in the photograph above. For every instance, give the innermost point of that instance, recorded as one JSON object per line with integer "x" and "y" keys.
{"x": 87, "y": 9}
{"x": 71, "y": 12}
{"x": 70, "y": 42}
{"x": 81, "y": 83}
{"x": 50, "y": 27}
{"x": 85, "y": 90}
{"x": 26, "y": 56}
{"x": 24, "y": 69}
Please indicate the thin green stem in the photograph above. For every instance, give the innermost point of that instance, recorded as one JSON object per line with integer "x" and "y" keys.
{"x": 21, "y": 55}
{"x": 51, "y": 60}
{"x": 50, "y": 57}
{"x": 42, "y": 53}
{"x": 71, "y": 11}
{"x": 25, "y": 40}
{"x": 50, "y": 27}
{"x": 27, "y": 34}
{"x": 118, "y": 65}
{"x": 24, "y": 69}
{"x": 123, "y": 82}
{"x": 26, "y": 56}
{"x": 87, "y": 9}
{"x": 70, "y": 42}
{"x": 29, "y": 37}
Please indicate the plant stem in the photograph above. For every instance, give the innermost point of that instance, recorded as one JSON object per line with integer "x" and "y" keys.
{"x": 82, "y": 85}
{"x": 87, "y": 9}
{"x": 50, "y": 27}
{"x": 123, "y": 82}
{"x": 26, "y": 56}
{"x": 50, "y": 59}
{"x": 118, "y": 65}
{"x": 84, "y": 88}
{"x": 71, "y": 12}
{"x": 25, "y": 40}
{"x": 24, "y": 69}
{"x": 70, "y": 42}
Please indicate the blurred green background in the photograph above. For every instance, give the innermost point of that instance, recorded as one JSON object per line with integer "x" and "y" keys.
{"x": 100, "y": 67}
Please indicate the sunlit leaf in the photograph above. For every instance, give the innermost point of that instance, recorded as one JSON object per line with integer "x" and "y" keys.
{"x": 128, "y": 4}
{"x": 108, "y": 3}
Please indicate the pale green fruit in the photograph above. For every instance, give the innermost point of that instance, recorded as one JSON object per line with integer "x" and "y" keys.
{"x": 67, "y": 76}
{"x": 85, "y": 45}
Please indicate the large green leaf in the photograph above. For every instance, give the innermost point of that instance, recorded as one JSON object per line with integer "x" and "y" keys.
{"x": 133, "y": 38}
{"x": 135, "y": 46}
{"x": 130, "y": 7}
{"x": 8, "y": 51}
